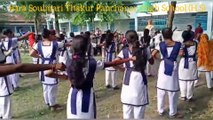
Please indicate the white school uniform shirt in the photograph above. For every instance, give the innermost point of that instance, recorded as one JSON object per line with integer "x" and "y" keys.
{"x": 47, "y": 52}
{"x": 165, "y": 82}
{"x": 110, "y": 55}
{"x": 158, "y": 38}
{"x": 6, "y": 88}
{"x": 14, "y": 41}
{"x": 91, "y": 114}
{"x": 136, "y": 92}
{"x": 64, "y": 55}
{"x": 16, "y": 52}
{"x": 190, "y": 73}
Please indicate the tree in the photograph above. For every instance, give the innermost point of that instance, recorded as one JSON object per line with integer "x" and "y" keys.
{"x": 86, "y": 17}
{"x": 57, "y": 13}
{"x": 171, "y": 13}
{"x": 36, "y": 16}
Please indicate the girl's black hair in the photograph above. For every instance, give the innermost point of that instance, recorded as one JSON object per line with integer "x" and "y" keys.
{"x": 87, "y": 33}
{"x": 186, "y": 35}
{"x": 109, "y": 39}
{"x": 72, "y": 34}
{"x": 103, "y": 38}
{"x": 131, "y": 36}
{"x": 157, "y": 32}
{"x": 76, "y": 67}
{"x": 167, "y": 33}
{"x": 45, "y": 33}
{"x": 141, "y": 57}
{"x": 38, "y": 38}
{"x": 108, "y": 31}
{"x": 146, "y": 38}
{"x": 62, "y": 37}
{"x": 7, "y": 31}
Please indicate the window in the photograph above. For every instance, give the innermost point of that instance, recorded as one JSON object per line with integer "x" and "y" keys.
{"x": 201, "y": 18}
{"x": 158, "y": 21}
{"x": 74, "y": 28}
{"x": 132, "y": 25}
{"x": 91, "y": 26}
{"x": 112, "y": 27}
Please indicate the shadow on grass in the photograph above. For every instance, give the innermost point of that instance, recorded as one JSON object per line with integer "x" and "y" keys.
{"x": 192, "y": 110}
{"x": 32, "y": 114}
{"x": 103, "y": 93}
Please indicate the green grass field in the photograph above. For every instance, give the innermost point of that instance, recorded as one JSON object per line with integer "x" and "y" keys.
{"x": 28, "y": 100}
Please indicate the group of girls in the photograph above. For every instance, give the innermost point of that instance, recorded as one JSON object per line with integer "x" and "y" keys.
{"x": 134, "y": 57}
{"x": 9, "y": 46}
{"x": 48, "y": 52}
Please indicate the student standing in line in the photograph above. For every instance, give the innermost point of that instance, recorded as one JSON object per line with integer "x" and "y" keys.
{"x": 134, "y": 94}
{"x": 187, "y": 67}
{"x": 81, "y": 70}
{"x": 110, "y": 55}
{"x": 168, "y": 73}
{"x": 11, "y": 41}
{"x": 47, "y": 51}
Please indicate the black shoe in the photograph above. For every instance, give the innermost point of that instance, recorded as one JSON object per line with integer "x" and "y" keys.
{"x": 56, "y": 107}
{"x": 177, "y": 115}
{"x": 116, "y": 88}
{"x": 190, "y": 100}
{"x": 149, "y": 75}
{"x": 108, "y": 86}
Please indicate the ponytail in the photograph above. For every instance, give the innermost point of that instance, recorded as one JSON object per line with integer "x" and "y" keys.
{"x": 77, "y": 71}
{"x": 141, "y": 56}
{"x": 77, "y": 67}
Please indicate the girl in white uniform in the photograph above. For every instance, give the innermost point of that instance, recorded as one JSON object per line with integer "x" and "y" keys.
{"x": 188, "y": 67}
{"x": 48, "y": 50}
{"x": 81, "y": 71}
{"x": 110, "y": 72}
{"x": 64, "y": 55}
{"x": 6, "y": 89}
{"x": 103, "y": 40}
{"x": 11, "y": 41}
{"x": 145, "y": 40}
{"x": 134, "y": 94}
{"x": 168, "y": 73}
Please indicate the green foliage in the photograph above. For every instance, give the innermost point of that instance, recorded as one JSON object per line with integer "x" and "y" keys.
{"x": 80, "y": 18}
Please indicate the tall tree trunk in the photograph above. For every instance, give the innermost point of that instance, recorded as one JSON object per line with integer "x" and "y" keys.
{"x": 56, "y": 23}
{"x": 171, "y": 13}
{"x": 37, "y": 23}
{"x": 35, "y": 26}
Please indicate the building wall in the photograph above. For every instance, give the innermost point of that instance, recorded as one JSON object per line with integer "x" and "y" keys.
{"x": 181, "y": 20}
{"x": 17, "y": 27}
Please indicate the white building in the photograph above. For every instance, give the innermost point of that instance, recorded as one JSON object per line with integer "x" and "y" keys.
{"x": 187, "y": 13}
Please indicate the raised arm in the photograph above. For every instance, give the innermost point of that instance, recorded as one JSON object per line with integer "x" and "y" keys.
{"x": 154, "y": 53}
{"x": 25, "y": 36}
{"x": 34, "y": 53}
{"x": 53, "y": 74}
{"x": 116, "y": 62}
{"x": 28, "y": 68}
